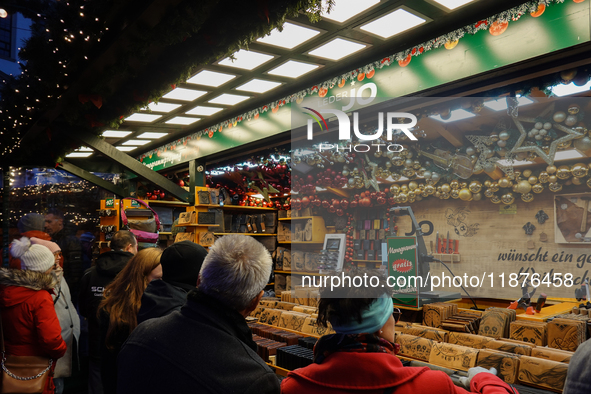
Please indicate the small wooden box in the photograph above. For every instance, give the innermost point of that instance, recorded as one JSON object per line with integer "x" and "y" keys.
{"x": 453, "y": 356}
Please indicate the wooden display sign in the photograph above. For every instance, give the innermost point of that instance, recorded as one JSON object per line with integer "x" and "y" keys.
{"x": 402, "y": 267}
{"x": 453, "y": 356}
{"x": 506, "y": 364}
{"x": 414, "y": 347}
{"x": 542, "y": 373}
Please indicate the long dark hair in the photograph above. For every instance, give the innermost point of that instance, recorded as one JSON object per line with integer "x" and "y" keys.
{"x": 123, "y": 296}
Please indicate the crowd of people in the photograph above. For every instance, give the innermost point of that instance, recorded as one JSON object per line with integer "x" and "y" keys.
{"x": 173, "y": 321}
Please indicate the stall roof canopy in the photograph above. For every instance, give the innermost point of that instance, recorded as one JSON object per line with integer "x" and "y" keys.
{"x": 93, "y": 67}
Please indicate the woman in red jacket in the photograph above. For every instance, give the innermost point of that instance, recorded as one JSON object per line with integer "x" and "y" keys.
{"x": 361, "y": 356}
{"x": 29, "y": 321}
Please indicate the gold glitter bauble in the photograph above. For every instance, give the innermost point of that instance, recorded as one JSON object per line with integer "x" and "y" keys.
{"x": 532, "y": 180}
{"x": 394, "y": 189}
{"x": 537, "y": 188}
{"x": 504, "y": 182}
{"x": 551, "y": 169}
{"x": 487, "y": 183}
{"x": 430, "y": 189}
{"x": 526, "y": 173}
{"x": 403, "y": 197}
{"x": 552, "y": 179}
{"x": 455, "y": 194}
{"x": 527, "y": 197}
{"x": 555, "y": 187}
{"x": 412, "y": 185}
{"x": 475, "y": 186}
{"x": 508, "y": 198}
{"x": 445, "y": 188}
{"x": 495, "y": 199}
{"x": 489, "y": 193}
{"x": 544, "y": 177}
{"x": 455, "y": 184}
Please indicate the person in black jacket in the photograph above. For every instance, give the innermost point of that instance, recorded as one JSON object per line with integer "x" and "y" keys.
{"x": 206, "y": 347}
{"x": 181, "y": 263}
{"x": 71, "y": 248}
{"x": 92, "y": 286}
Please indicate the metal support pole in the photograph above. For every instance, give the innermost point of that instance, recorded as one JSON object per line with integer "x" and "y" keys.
{"x": 5, "y": 213}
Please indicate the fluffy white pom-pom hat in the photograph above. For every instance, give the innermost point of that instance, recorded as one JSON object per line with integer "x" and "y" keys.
{"x": 33, "y": 257}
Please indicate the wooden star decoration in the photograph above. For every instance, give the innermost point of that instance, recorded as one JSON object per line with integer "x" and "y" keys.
{"x": 571, "y": 134}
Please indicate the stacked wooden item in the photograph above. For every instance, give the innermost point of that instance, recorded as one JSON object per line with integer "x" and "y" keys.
{"x": 525, "y": 352}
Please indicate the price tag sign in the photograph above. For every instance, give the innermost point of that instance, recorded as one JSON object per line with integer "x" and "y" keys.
{"x": 403, "y": 272}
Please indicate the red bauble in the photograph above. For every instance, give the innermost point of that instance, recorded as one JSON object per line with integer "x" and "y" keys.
{"x": 162, "y": 195}
{"x": 340, "y": 212}
{"x": 353, "y": 204}
{"x": 325, "y": 204}
{"x": 344, "y": 203}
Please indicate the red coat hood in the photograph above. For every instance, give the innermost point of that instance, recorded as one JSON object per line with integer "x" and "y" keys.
{"x": 16, "y": 286}
{"x": 362, "y": 371}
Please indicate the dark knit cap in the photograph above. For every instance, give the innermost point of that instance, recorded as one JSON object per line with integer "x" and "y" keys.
{"x": 31, "y": 222}
{"x": 181, "y": 263}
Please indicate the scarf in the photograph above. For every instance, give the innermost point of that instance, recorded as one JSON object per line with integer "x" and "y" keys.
{"x": 359, "y": 343}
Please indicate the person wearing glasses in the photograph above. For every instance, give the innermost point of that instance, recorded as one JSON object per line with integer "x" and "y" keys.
{"x": 66, "y": 314}
{"x": 361, "y": 356}
{"x": 29, "y": 321}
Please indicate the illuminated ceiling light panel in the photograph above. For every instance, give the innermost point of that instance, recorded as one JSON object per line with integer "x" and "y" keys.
{"x": 337, "y": 49}
{"x": 564, "y": 90}
{"x": 142, "y": 118}
{"x": 184, "y": 94}
{"x": 203, "y": 111}
{"x": 84, "y": 149}
{"x": 393, "y": 23}
{"x": 291, "y": 36}
{"x": 501, "y": 104}
{"x": 258, "y": 86}
{"x": 152, "y": 136}
{"x": 346, "y": 9}
{"x": 567, "y": 155}
{"x": 136, "y": 142}
{"x": 183, "y": 120}
{"x": 163, "y": 107}
{"x": 115, "y": 133}
{"x": 456, "y": 114}
{"x": 453, "y": 4}
{"x": 229, "y": 99}
{"x": 210, "y": 78}
{"x": 126, "y": 148}
{"x": 246, "y": 60}
{"x": 79, "y": 154}
{"x": 293, "y": 69}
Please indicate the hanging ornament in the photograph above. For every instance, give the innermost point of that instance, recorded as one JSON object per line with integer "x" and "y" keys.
{"x": 539, "y": 11}
{"x": 537, "y": 188}
{"x": 498, "y": 27}
{"x": 527, "y": 197}
{"x": 508, "y": 198}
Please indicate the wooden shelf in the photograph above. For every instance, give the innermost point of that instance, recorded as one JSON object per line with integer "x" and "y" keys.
{"x": 251, "y": 234}
{"x": 171, "y": 203}
{"x": 197, "y": 225}
{"x": 367, "y": 261}
{"x": 283, "y": 242}
{"x": 307, "y": 242}
{"x": 302, "y": 217}
{"x": 299, "y": 273}
{"x": 165, "y": 233}
{"x": 286, "y": 219}
{"x": 208, "y": 206}
{"x": 245, "y": 207}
